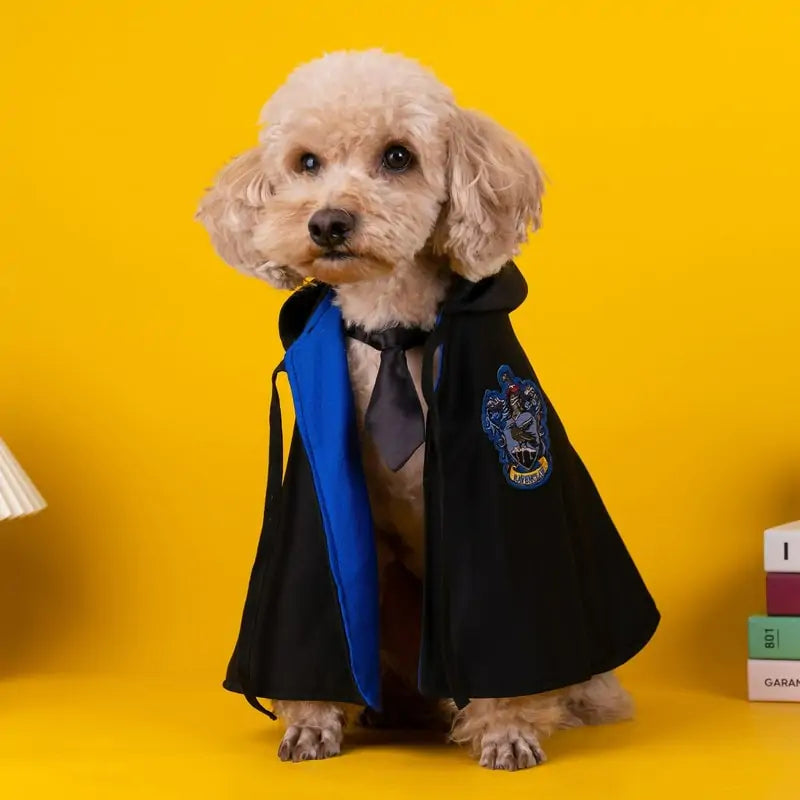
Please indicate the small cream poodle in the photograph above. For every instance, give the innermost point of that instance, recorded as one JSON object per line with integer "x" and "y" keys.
{"x": 370, "y": 178}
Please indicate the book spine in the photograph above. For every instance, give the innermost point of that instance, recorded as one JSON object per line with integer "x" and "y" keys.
{"x": 783, "y": 594}
{"x": 782, "y": 549}
{"x": 773, "y": 681}
{"x": 773, "y": 638}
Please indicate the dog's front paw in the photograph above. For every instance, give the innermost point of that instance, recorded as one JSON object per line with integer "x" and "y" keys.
{"x": 302, "y": 743}
{"x": 510, "y": 749}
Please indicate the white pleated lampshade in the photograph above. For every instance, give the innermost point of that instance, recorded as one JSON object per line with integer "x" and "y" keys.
{"x": 18, "y": 495}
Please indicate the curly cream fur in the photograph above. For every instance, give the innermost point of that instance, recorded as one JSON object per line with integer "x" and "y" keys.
{"x": 232, "y": 210}
{"x": 506, "y": 733}
{"x": 509, "y": 729}
{"x": 464, "y": 206}
{"x": 467, "y": 203}
{"x": 495, "y": 194}
{"x": 314, "y": 729}
{"x": 600, "y": 700}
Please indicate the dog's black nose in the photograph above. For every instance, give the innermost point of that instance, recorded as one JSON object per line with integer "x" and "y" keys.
{"x": 330, "y": 227}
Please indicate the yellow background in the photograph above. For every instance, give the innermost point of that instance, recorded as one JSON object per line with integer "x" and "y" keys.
{"x": 663, "y": 321}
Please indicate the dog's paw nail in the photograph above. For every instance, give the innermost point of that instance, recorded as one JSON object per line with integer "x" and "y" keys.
{"x": 309, "y": 744}
{"x": 288, "y": 743}
{"x": 511, "y": 752}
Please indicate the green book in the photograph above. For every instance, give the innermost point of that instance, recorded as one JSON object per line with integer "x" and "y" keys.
{"x": 774, "y": 637}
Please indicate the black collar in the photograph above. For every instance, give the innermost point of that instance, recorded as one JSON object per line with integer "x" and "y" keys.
{"x": 395, "y": 338}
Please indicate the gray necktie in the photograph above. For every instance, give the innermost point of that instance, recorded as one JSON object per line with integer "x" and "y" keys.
{"x": 394, "y": 416}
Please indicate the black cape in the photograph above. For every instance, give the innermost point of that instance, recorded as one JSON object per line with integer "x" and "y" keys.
{"x": 528, "y": 586}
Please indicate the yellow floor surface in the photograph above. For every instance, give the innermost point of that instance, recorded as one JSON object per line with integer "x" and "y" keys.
{"x": 81, "y": 737}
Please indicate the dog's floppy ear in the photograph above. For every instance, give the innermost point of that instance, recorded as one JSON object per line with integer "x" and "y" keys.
{"x": 230, "y": 211}
{"x": 495, "y": 191}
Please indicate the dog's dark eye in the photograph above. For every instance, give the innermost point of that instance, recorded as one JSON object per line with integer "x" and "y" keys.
{"x": 309, "y": 163}
{"x": 397, "y": 158}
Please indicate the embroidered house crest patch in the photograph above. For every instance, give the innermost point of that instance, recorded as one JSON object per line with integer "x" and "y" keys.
{"x": 515, "y": 420}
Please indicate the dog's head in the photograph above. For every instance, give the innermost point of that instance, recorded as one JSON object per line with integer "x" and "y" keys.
{"x": 364, "y": 162}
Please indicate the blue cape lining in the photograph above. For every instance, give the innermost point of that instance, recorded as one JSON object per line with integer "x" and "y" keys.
{"x": 316, "y": 365}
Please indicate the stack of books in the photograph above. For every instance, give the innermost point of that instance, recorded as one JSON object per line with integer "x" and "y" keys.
{"x": 773, "y": 665}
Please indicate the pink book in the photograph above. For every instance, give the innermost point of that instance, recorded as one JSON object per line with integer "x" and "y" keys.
{"x": 783, "y": 594}
{"x": 777, "y": 681}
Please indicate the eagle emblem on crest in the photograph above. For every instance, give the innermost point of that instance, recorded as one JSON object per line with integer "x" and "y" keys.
{"x": 515, "y": 420}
